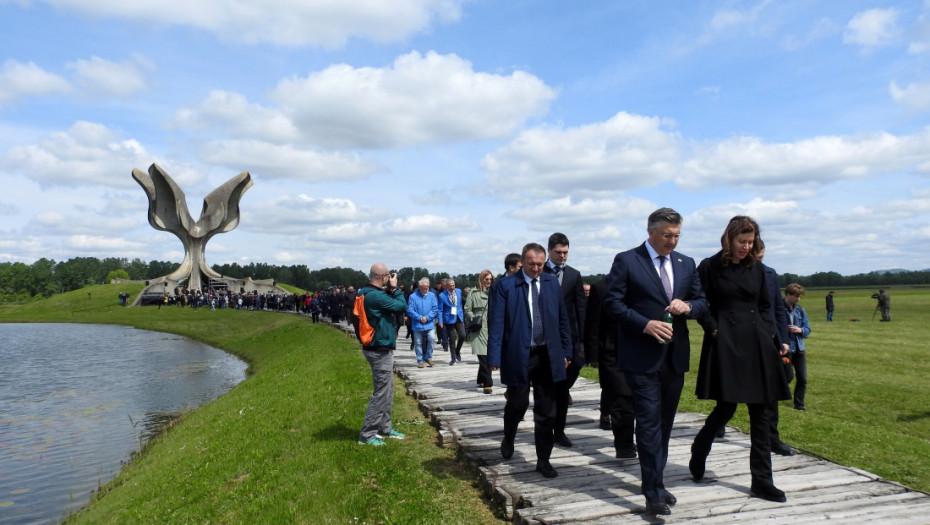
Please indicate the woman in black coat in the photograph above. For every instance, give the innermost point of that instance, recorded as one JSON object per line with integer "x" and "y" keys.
{"x": 739, "y": 360}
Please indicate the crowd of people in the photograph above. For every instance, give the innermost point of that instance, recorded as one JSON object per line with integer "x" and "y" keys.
{"x": 538, "y": 325}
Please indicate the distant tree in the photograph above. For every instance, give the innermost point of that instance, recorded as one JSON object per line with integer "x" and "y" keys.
{"x": 138, "y": 270}
{"x": 117, "y": 274}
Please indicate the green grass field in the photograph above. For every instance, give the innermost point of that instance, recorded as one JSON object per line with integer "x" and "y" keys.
{"x": 280, "y": 447}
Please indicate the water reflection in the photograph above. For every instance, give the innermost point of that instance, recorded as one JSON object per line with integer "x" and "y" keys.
{"x": 77, "y": 400}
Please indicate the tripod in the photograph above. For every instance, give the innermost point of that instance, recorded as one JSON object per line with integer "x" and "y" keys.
{"x": 875, "y": 312}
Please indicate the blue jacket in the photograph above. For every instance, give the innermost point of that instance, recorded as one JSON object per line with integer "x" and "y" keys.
{"x": 799, "y": 316}
{"x": 445, "y": 308}
{"x": 779, "y": 315}
{"x": 509, "y": 327}
{"x": 419, "y": 306}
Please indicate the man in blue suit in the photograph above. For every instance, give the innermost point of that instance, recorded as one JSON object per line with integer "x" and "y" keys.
{"x": 452, "y": 319}
{"x": 644, "y": 283}
{"x": 529, "y": 341}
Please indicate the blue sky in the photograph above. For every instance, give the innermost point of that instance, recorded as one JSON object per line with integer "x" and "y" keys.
{"x": 448, "y": 133}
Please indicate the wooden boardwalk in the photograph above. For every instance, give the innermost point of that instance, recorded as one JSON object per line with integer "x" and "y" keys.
{"x": 595, "y": 487}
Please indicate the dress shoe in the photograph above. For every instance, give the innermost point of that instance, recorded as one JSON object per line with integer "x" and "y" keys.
{"x": 605, "y": 422}
{"x": 670, "y": 499}
{"x": 696, "y": 466}
{"x": 767, "y": 492}
{"x": 545, "y": 468}
{"x": 452, "y": 362}
{"x": 570, "y": 400}
{"x": 626, "y": 453}
{"x": 507, "y": 448}
{"x": 657, "y": 507}
{"x": 722, "y": 432}
{"x": 429, "y": 362}
{"x": 782, "y": 449}
{"x": 562, "y": 441}
{"x": 488, "y": 390}
{"x": 420, "y": 365}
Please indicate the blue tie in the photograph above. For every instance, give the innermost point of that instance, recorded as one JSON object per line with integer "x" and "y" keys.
{"x": 538, "y": 337}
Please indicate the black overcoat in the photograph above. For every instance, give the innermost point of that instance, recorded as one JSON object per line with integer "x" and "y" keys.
{"x": 741, "y": 364}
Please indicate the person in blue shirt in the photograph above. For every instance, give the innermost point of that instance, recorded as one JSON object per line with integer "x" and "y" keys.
{"x": 798, "y": 330}
{"x": 452, "y": 319}
{"x": 422, "y": 310}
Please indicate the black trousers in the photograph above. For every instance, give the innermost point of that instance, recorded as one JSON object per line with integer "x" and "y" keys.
{"x": 518, "y": 400}
{"x": 655, "y": 403}
{"x": 485, "y": 378}
{"x": 455, "y": 333}
{"x": 760, "y": 451}
{"x": 616, "y": 400}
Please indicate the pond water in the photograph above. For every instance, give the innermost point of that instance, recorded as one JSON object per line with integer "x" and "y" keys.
{"x": 77, "y": 400}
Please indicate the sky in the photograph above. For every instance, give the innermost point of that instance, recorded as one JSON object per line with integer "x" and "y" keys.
{"x": 446, "y": 134}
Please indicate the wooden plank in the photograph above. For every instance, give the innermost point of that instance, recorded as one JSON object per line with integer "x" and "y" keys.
{"x": 595, "y": 487}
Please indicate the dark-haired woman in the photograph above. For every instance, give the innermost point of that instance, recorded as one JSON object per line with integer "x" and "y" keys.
{"x": 739, "y": 360}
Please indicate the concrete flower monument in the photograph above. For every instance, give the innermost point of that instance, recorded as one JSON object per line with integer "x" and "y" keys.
{"x": 220, "y": 214}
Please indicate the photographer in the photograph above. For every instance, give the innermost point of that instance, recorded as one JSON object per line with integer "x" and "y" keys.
{"x": 884, "y": 304}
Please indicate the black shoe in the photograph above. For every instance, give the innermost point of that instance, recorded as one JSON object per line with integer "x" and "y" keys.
{"x": 782, "y": 449}
{"x": 545, "y": 468}
{"x": 570, "y": 400}
{"x": 722, "y": 432}
{"x": 657, "y": 507}
{"x": 799, "y": 408}
{"x": 507, "y": 448}
{"x": 670, "y": 499}
{"x": 562, "y": 441}
{"x": 605, "y": 423}
{"x": 626, "y": 453}
{"x": 767, "y": 492}
{"x": 696, "y": 466}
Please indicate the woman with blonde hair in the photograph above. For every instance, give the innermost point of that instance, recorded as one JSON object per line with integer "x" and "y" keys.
{"x": 476, "y": 310}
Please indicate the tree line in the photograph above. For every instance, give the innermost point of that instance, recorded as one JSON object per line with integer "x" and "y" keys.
{"x": 21, "y": 282}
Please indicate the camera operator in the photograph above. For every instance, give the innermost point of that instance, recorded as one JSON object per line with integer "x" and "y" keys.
{"x": 884, "y": 304}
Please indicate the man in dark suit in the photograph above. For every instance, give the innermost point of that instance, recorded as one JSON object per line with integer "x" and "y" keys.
{"x": 600, "y": 343}
{"x": 779, "y": 320}
{"x": 644, "y": 283}
{"x": 529, "y": 341}
{"x": 573, "y": 295}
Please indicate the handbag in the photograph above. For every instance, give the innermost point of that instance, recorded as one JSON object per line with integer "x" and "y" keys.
{"x": 473, "y": 324}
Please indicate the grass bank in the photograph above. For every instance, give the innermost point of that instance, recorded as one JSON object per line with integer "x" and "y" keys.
{"x": 281, "y": 446}
{"x": 867, "y": 402}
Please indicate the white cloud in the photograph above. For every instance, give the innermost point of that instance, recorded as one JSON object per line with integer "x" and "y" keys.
{"x": 19, "y": 80}
{"x": 286, "y": 161}
{"x": 621, "y": 154}
{"x": 100, "y": 77}
{"x": 86, "y": 154}
{"x": 419, "y": 99}
{"x": 301, "y": 214}
{"x": 748, "y": 161}
{"x": 915, "y": 96}
{"x": 97, "y": 243}
{"x": 327, "y": 23}
{"x": 232, "y": 114}
{"x": 873, "y": 28}
{"x": 569, "y": 213}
